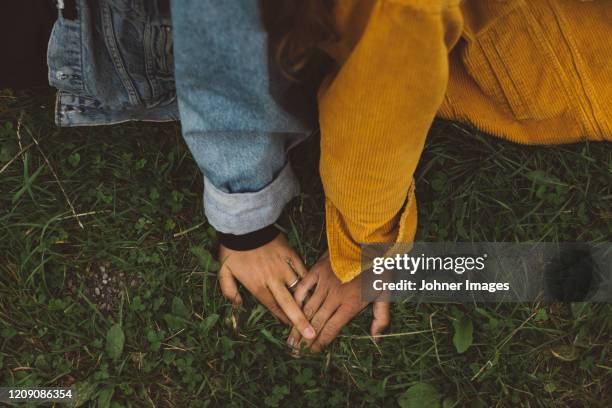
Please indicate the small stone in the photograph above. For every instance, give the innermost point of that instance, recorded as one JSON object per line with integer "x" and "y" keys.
{"x": 105, "y": 276}
{"x": 97, "y": 291}
{"x": 102, "y": 268}
{"x": 104, "y": 281}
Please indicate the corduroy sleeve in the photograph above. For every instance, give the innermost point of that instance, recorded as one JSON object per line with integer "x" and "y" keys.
{"x": 375, "y": 113}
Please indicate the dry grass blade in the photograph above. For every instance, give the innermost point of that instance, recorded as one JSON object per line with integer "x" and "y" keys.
{"x": 59, "y": 183}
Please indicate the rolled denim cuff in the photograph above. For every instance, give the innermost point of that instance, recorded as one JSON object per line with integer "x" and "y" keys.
{"x": 241, "y": 213}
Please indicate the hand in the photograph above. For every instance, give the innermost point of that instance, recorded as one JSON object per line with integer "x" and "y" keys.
{"x": 332, "y": 305}
{"x": 265, "y": 272}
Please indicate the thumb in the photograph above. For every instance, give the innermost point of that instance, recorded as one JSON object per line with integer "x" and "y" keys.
{"x": 382, "y": 317}
{"x": 229, "y": 288}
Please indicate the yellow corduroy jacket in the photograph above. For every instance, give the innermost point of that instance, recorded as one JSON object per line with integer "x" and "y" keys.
{"x": 531, "y": 71}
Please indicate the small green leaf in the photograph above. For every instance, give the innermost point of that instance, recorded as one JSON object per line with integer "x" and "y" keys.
{"x": 541, "y": 316}
{"x": 140, "y": 164}
{"x": 462, "y": 339}
{"x": 74, "y": 159}
{"x": 82, "y": 392}
{"x": 179, "y": 309}
{"x": 137, "y": 304}
{"x": 175, "y": 322}
{"x": 550, "y": 387}
{"x": 420, "y": 395}
{"x": 8, "y": 332}
{"x": 105, "y": 396}
{"x": 304, "y": 377}
{"x": 277, "y": 395}
{"x": 154, "y": 194}
{"x": 269, "y": 336}
{"x": 438, "y": 183}
{"x": 41, "y": 362}
{"x": 208, "y": 323}
{"x": 205, "y": 259}
{"x": 115, "y": 339}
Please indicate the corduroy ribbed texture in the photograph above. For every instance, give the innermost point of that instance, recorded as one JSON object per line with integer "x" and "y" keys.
{"x": 533, "y": 72}
{"x": 374, "y": 116}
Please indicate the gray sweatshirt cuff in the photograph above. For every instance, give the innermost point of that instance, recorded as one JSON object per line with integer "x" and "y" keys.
{"x": 241, "y": 213}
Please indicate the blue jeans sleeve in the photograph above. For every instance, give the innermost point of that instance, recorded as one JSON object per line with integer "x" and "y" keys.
{"x": 237, "y": 132}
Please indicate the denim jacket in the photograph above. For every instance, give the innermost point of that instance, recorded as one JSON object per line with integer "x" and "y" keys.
{"x": 113, "y": 63}
{"x": 119, "y": 60}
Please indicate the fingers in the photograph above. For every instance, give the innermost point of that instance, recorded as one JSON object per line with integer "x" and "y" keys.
{"x": 296, "y": 264}
{"x": 381, "y": 319}
{"x": 338, "y": 319}
{"x": 332, "y": 328}
{"x": 315, "y": 301}
{"x": 292, "y": 310}
{"x": 312, "y": 306}
{"x": 289, "y": 277}
{"x": 305, "y": 285}
{"x": 294, "y": 338}
{"x": 293, "y": 272}
{"x": 267, "y": 299}
{"x": 229, "y": 288}
{"x": 321, "y": 317}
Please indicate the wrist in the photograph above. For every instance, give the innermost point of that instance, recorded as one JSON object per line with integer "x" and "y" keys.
{"x": 249, "y": 241}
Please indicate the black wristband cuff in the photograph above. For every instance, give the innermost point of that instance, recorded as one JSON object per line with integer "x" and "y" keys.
{"x": 249, "y": 241}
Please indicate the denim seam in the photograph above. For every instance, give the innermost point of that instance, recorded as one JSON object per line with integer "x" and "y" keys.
{"x": 148, "y": 60}
{"x": 109, "y": 35}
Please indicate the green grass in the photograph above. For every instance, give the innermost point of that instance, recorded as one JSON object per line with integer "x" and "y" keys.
{"x": 139, "y": 193}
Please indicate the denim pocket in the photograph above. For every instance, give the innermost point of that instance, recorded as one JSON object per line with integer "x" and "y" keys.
{"x": 64, "y": 56}
{"x": 140, "y": 49}
{"x": 514, "y": 64}
{"x": 161, "y": 49}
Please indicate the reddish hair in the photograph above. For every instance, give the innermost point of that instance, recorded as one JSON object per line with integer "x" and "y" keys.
{"x": 298, "y": 28}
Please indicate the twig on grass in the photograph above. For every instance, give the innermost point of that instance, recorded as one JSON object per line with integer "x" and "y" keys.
{"x": 19, "y": 130}
{"x": 83, "y": 214}
{"x": 74, "y": 213}
{"x": 489, "y": 363}
{"x": 433, "y": 335}
{"x": 19, "y": 153}
{"x": 379, "y": 336}
{"x": 188, "y": 230}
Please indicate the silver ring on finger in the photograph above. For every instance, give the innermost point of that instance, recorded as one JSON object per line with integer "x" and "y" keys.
{"x": 293, "y": 284}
